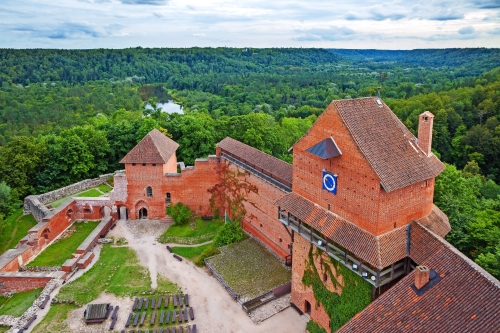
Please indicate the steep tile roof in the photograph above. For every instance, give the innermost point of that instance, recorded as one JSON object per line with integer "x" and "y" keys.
{"x": 389, "y": 147}
{"x": 436, "y": 221}
{"x": 259, "y": 160}
{"x": 465, "y": 300}
{"x": 378, "y": 251}
{"x": 153, "y": 148}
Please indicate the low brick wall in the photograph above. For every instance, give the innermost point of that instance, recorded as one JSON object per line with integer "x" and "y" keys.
{"x": 91, "y": 239}
{"x": 24, "y": 281}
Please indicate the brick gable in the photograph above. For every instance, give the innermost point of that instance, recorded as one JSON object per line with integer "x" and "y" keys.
{"x": 153, "y": 148}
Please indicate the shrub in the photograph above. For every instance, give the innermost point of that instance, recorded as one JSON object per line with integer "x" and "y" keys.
{"x": 313, "y": 327}
{"x": 229, "y": 233}
{"x": 208, "y": 252}
{"x": 181, "y": 214}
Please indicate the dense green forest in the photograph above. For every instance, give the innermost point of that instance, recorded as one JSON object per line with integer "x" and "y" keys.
{"x": 67, "y": 115}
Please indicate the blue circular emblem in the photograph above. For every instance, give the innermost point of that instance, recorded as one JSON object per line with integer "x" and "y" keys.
{"x": 329, "y": 182}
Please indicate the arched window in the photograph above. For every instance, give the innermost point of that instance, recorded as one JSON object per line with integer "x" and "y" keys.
{"x": 149, "y": 192}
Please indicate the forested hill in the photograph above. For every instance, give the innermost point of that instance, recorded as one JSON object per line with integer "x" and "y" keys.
{"x": 150, "y": 65}
{"x": 467, "y": 62}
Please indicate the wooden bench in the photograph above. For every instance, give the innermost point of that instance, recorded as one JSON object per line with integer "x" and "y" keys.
{"x": 32, "y": 319}
{"x": 191, "y": 313}
{"x": 181, "y": 329}
{"x": 179, "y": 316}
{"x": 168, "y": 317}
{"x": 161, "y": 330}
{"x": 140, "y": 304}
{"x": 113, "y": 316}
{"x": 180, "y": 299}
{"x": 45, "y": 301}
{"x": 177, "y": 257}
{"x": 110, "y": 308}
{"x": 113, "y": 322}
{"x": 162, "y": 314}
{"x": 186, "y": 299}
{"x": 153, "y": 317}
{"x": 185, "y": 314}
{"x": 174, "y": 329}
{"x": 174, "y": 315}
{"x": 142, "y": 318}
{"x": 169, "y": 249}
{"x": 135, "y": 304}
{"x": 188, "y": 329}
{"x": 175, "y": 300}
{"x": 159, "y": 302}
{"x": 127, "y": 324}
{"x": 146, "y": 304}
{"x": 136, "y": 319}
{"x": 166, "y": 300}
{"x": 194, "y": 329}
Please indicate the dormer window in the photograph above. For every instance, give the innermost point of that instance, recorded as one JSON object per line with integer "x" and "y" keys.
{"x": 149, "y": 192}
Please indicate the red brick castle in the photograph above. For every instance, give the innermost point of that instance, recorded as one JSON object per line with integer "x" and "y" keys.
{"x": 359, "y": 193}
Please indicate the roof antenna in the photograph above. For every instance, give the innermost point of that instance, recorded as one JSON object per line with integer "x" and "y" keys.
{"x": 381, "y": 77}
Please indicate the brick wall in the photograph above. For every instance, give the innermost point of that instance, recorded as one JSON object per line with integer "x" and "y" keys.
{"x": 302, "y": 293}
{"x": 360, "y": 198}
{"x": 19, "y": 284}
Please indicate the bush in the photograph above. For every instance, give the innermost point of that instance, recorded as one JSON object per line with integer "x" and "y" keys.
{"x": 229, "y": 233}
{"x": 180, "y": 213}
{"x": 208, "y": 252}
{"x": 312, "y": 327}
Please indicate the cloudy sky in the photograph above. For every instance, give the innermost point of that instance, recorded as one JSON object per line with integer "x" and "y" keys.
{"x": 381, "y": 24}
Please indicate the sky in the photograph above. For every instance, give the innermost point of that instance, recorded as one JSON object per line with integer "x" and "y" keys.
{"x": 361, "y": 24}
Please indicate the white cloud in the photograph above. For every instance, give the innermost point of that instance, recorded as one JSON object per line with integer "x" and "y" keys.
{"x": 395, "y": 24}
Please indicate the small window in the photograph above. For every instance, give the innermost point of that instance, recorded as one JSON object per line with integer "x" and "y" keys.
{"x": 329, "y": 207}
{"x": 143, "y": 164}
{"x": 426, "y": 119}
{"x": 261, "y": 225}
{"x": 167, "y": 197}
{"x": 325, "y": 277}
{"x": 281, "y": 240}
{"x": 133, "y": 164}
{"x": 149, "y": 192}
{"x": 154, "y": 164}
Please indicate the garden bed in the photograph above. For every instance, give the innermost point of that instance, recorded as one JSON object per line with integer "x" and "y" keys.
{"x": 249, "y": 269}
{"x": 62, "y": 249}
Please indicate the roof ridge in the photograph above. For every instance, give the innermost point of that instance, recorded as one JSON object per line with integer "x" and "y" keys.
{"x": 260, "y": 151}
{"x": 472, "y": 264}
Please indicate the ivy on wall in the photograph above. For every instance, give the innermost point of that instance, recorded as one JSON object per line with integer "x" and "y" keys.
{"x": 355, "y": 296}
{"x": 313, "y": 327}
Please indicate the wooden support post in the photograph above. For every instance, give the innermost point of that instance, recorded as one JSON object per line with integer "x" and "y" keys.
{"x": 392, "y": 271}
{"x": 288, "y": 219}
{"x": 345, "y": 257}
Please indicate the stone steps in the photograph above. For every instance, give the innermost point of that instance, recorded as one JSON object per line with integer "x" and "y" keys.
{"x": 166, "y": 219}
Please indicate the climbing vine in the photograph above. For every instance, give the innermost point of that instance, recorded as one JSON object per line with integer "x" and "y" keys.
{"x": 355, "y": 296}
{"x": 230, "y": 192}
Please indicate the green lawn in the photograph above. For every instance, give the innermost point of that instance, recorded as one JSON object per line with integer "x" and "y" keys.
{"x": 190, "y": 252}
{"x": 18, "y": 303}
{"x": 104, "y": 188}
{"x": 53, "y": 320}
{"x": 249, "y": 268}
{"x": 92, "y": 193}
{"x": 14, "y": 228}
{"x": 61, "y": 250}
{"x": 186, "y": 234}
{"x": 119, "y": 272}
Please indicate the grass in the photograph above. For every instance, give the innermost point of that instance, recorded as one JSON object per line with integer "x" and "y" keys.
{"x": 249, "y": 268}
{"x": 19, "y": 302}
{"x": 92, "y": 193}
{"x": 14, "y": 228}
{"x": 187, "y": 234}
{"x": 190, "y": 252}
{"x": 61, "y": 250}
{"x": 104, "y": 188}
{"x": 4, "y": 329}
{"x": 119, "y": 272}
{"x": 53, "y": 322}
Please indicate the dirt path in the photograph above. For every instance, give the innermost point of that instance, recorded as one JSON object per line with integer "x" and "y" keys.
{"x": 215, "y": 310}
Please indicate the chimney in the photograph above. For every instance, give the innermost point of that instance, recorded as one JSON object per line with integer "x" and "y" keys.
{"x": 425, "y": 121}
{"x": 422, "y": 275}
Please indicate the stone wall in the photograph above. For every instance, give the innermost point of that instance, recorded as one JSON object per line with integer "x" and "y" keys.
{"x": 35, "y": 204}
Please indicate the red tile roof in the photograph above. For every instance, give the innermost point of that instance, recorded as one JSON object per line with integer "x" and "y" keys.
{"x": 259, "y": 160}
{"x": 378, "y": 251}
{"x": 466, "y": 299}
{"x": 153, "y": 148}
{"x": 436, "y": 221}
{"x": 389, "y": 147}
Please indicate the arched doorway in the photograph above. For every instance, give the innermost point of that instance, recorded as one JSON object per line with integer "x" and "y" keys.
{"x": 122, "y": 213}
{"x": 143, "y": 213}
{"x": 308, "y": 308}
